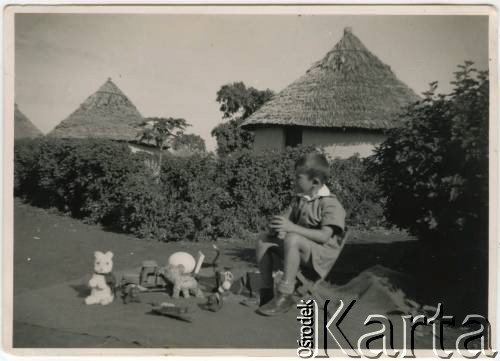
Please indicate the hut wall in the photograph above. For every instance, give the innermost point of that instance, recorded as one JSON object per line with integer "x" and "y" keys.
{"x": 343, "y": 144}
{"x": 269, "y": 138}
{"x": 141, "y": 148}
{"x": 337, "y": 143}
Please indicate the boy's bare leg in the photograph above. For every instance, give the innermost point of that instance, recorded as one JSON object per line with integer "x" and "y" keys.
{"x": 297, "y": 251}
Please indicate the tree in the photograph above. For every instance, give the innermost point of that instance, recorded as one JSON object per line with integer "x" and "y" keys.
{"x": 189, "y": 143}
{"x": 434, "y": 169}
{"x": 237, "y": 98}
{"x": 162, "y": 132}
{"x": 237, "y": 102}
{"x": 434, "y": 173}
{"x": 230, "y": 137}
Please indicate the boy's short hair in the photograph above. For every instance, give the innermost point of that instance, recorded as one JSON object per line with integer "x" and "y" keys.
{"x": 313, "y": 165}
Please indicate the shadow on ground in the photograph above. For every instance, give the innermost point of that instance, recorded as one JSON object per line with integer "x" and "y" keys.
{"x": 81, "y": 290}
{"x": 430, "y": 279}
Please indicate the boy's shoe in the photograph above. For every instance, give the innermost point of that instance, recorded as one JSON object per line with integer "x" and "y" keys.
{"x": 266, "y": 295}
{"x": 280, "y": 304}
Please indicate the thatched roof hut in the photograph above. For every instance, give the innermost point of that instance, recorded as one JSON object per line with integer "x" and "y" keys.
{"x": 349, "y": 91}
{"x": 107, "y": 113}
{"x": 23, "y": 127}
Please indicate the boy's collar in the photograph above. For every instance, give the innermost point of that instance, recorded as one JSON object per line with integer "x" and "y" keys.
{"x": 322, "y": 192}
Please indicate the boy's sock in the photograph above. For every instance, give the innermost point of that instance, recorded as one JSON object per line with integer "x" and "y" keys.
{"x": 282, "y": 302}
{"x": 286, "y": 287}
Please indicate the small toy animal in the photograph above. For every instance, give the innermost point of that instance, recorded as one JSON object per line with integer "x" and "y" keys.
{"x": 103, "y": 281}
{"x": 182, "y": 282}
{"x": 224, "y": 281}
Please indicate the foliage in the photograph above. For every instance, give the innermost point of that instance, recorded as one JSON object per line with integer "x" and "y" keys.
{"x": 189, "y": 143}
{"x": 78, "y": 176}
{"x": 231, "y": 138}
{"x": 26, "y": 152}
{"x": 237, "y": 102}
{"x": 236, "y": 98}
{"x": 434, "y": 170}
{"x": 200, "y": 207}
{"x": 198, "y": 197}
{"x": 358, "y": 191}
{"x": 142, "y": 209}
{"x": 162, "y": 132}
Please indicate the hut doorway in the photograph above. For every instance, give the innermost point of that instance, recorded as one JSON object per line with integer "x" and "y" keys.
{"x": 293, "y": 136}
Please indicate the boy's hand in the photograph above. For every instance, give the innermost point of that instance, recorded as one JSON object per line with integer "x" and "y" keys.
{"x": 282, "y": 224}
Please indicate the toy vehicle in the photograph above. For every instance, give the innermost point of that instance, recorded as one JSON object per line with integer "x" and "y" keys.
{"x": 149, "y": 278}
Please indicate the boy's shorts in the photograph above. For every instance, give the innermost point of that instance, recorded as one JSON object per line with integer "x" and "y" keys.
{"x": 323, "y": 256}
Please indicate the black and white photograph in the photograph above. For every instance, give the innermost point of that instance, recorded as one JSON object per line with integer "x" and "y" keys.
{"x": 304, "y": 181}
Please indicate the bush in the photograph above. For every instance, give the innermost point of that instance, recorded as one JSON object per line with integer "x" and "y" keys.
{"x": 200, "y": 208}
{"x": 262, "y": 184}
{"x": 141, "y": 208}
{"x": 26, "y": 152}
{"x": 358, "y": 191}
{"x": 199, "y": 197}
{"x": 434, "y": 170}
{"x": 78, "y": 176}
{"x": 231, "y": 137}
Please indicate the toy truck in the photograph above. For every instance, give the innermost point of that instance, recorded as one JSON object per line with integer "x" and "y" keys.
{"x": 149, "y": 277}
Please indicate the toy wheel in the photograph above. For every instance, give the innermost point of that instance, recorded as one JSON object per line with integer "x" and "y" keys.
{"x": 214, "y": 302}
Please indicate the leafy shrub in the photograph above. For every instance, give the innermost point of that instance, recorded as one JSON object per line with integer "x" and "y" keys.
{"x": 258, "y": 184}
{"x": 231, "y": 137}
{"x": 358, "y": 191}
{"x": 74, "y": 175}
{"x": 434, "y": 170}
{"x": 199, "y": 207}
{"x": 198, "y": 197}
{"x": 261, "y": 184}
{"x": 25, "y": 157}
{"x": 141, "y": 208}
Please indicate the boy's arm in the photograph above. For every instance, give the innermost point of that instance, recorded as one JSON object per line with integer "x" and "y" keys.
{"x": 332, "y": 221}
{"x": 282, "y": 224}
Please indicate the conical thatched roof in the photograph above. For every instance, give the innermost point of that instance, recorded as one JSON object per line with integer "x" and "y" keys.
{"x": 23, "y": 127}
{"x": 349, "y": 88}
{"x": 107, "y": 113}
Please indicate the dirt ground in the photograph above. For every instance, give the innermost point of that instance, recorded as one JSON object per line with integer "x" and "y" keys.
{"x": 53, "y": 257}
{"x": 50, "y": 249}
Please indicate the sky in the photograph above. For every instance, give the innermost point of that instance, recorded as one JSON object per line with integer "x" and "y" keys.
{"x": 173, "y": 65}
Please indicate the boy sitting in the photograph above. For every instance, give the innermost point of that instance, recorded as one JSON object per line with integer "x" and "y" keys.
{"x": 307, "y": 233}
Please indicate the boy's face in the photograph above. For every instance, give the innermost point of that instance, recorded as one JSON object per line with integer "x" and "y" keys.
{"x": 304, "y": 183}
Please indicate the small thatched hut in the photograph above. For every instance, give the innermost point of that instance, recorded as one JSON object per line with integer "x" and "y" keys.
{"x": 344, "y": 102}
{"x": 107, "y": 113}
{"x": 23, "y": 127}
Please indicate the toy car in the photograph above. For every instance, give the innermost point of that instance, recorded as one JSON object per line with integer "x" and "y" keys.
{"x": 149, "y": 278}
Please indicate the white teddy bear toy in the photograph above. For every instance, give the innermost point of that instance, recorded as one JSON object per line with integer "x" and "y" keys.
{"x": 103, "y": 281}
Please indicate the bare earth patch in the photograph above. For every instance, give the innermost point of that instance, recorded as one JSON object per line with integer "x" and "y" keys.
{"x": 53, "y": 258}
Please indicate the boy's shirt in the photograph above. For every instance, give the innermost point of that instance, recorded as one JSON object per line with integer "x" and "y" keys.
{"x": 323, "y": 209}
